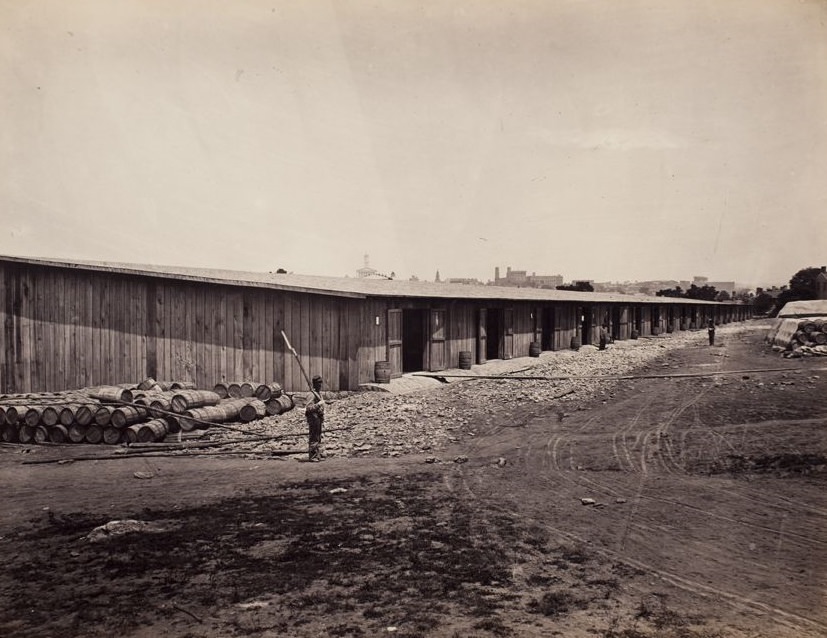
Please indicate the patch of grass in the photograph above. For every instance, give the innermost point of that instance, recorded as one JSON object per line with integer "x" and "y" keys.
{"x": 574, "y": 554}
{"x": 543, "y": 580}
{"x": 553, "y": 603}
{"x": 495, "y": 627}
{"x": 346, "y": 630}
{"x": 365, "y": 550}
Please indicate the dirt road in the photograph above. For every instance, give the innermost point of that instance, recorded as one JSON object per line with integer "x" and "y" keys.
{"x": 689, "y": 507}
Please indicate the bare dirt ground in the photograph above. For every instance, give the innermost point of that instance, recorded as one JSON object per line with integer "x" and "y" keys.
{"x": 707, "y": 518}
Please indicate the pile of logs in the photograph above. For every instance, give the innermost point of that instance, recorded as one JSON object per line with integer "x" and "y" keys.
{"x": 131, "y": 413}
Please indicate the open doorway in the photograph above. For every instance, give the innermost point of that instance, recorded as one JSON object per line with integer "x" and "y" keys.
{"x": 586, "y": 326}
{"x": 615, "y": 322}
{"x": 549, "y": 326}
{"x": 414, "y": 339}
{"x": 493, "y": 332}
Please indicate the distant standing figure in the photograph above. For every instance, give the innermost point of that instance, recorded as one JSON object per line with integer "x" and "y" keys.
{"x": 314, "y": 413}
{"x": 710, "y": 330}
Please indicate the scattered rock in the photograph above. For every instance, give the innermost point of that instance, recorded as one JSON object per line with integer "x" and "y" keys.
{"x": 119, "y": 528}
{"x": 338, "y": 490}
{"x": 501, "y": 462}
{"x": 461, "y": 459}
{"x": 386, "y": 425}
{"x": 431, "y": 459}
{"x": 620, "y": 500}
{"x": 143, "y": 475}
{"x": 587, "y": 501}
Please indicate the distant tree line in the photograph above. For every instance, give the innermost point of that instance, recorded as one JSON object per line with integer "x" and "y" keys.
{"x": 578, "y": 286}
{"x": 802, "y": 288}
{"x": 702, "y": 293}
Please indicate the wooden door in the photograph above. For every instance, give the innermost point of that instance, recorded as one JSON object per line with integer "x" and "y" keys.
{"x": 395, "y": 342}
{"x": 482, "y": 336}
{"x": 508, "y": 333}
{"x": 437, "y": 341}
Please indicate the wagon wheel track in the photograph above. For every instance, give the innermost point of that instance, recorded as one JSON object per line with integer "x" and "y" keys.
{"x": 554, "y": 442}
{"x": 663, "y": 435}
{"x": 627, "y": 430}
{"x": 787, "y": 618}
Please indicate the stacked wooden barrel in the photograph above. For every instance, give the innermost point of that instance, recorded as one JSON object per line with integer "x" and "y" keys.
{"x": 811, "y": 332}
{"x": 142, "y": 412}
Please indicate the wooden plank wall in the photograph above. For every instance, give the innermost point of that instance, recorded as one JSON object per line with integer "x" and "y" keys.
{"x": 523, "y": 328}
{"x": 372, "y": 338}
{"x": 69, "y": 328}
{"x": 571, "y": 323}
{"x": 461, "y": 332}
{"x": 646, "y": 320}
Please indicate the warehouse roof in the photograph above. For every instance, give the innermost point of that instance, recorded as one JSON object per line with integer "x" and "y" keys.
{"x": 349, "y": 286}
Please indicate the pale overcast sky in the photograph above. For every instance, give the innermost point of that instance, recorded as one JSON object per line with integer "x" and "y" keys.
{"x": 601, "y": 139}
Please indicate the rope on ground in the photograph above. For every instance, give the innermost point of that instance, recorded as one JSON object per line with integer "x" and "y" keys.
{"x": 685, "y": 375}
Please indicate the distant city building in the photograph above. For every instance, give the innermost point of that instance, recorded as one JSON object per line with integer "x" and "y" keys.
{"x": 465, "y": 280}
{"x": 728, "y": 286}
{"x": 521, "y": 278}
{"x": 366, "y": 270}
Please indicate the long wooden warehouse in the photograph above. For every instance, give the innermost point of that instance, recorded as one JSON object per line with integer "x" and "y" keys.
{"x": 76, "y": 324}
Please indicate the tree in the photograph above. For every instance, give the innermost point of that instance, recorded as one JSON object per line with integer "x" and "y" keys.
{"x": 723, "y": 295}
{"x": 745, "y": 296}
{"x": 670, "y": 292}
{"x": 763, "y": 303}
{"x": 703, "y": 293}
{"x": 580, "y": 286}
{"x": 281, "y": 271}
{"x": 802, "y": 287}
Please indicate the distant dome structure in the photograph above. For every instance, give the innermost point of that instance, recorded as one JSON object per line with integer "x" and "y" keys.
{"x": 366, "y": 270}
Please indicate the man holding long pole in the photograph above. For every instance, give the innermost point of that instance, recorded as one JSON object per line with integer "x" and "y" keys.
{"x": 314, "y": 410}
{"x": 314, "y": 413}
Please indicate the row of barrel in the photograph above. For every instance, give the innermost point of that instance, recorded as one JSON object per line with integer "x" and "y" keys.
{"x": 811, "y": 332}
{"x": 130, "y": 413}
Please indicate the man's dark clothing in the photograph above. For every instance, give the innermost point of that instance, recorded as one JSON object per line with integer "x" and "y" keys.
{"x": 314, "y": 413}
